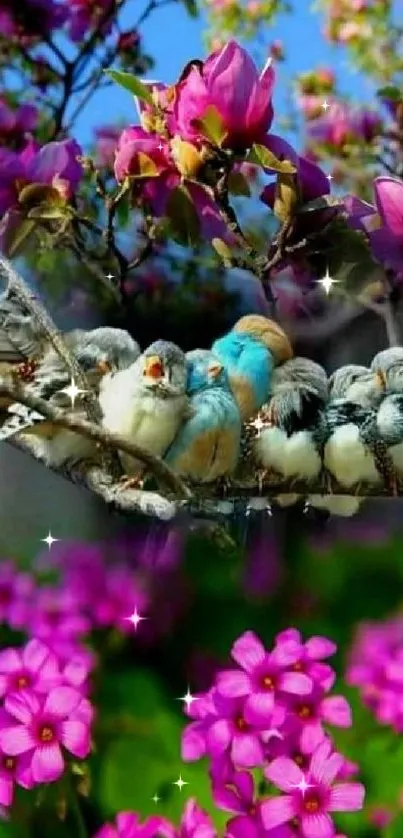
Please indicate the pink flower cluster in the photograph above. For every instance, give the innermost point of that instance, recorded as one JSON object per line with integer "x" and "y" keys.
{"x": 342, "y": 124}
{"x": 376, "y": 668}
{"x": 45, "y": 716}
{"x": 170, "y": 147}
{"x": 194, "y": 824}
{"x": 271, "y": 712}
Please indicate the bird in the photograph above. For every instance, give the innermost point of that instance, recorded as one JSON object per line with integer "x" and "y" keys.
{"x": 354, "y": 452}
{"x": 206, "y": 447}
{"x": 388, "y": 368}
{"x": 249, "y": 352}
{"x": 358, "y": 384}
{"x": 289, "y": 445}
{"x": 390, "y": 424}
{"x": 147, "y": 402}
{"x": 97, "y": 351}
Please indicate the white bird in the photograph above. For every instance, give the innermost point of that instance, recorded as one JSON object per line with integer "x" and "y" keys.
{"x": 289, "y": 446}
{"x": 147, "y": 402}
{"x": 96, "y": 351}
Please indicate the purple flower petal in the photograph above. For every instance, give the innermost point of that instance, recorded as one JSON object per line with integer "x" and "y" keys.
{"x": 61, "y": 701}
{"x": 346, "y": 797}
{"x": 219, "y": 736}
{"x": 10, "y": 660}
{"x": 248, "y": 651}
{"x": 259, "y": 708}
{"x": 16, "y": 740}
{"x": 317, "y": 826}
{"x": 284, "y": 773}
{"x": 285, "y": 654}
{"x": 312, "y": 735}
{"x": 193, "y": 744}
{"x": 296, "y": 683}
{"x": 336, "y": 711}
{"x": 324, "y": 768}
{"x": 233, "y": 683}
{"x": 389, "y": 202}
{"x": 247, "y": 751}
{"x": 23, "y": 706}
{"x": 75, "y": 737}
{"x": 47, "y": 763}
{"x": 278, "y": 810}
{"x": 6, "y": 789}
{"x": 318, "y": 648}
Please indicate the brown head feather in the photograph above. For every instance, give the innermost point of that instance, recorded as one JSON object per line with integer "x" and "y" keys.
{"x": 269, "y": 333}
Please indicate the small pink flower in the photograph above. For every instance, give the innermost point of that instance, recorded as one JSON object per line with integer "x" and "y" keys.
{"x": 33, "y": 667}
{"x": 41, "y": 727}
{"x": 128, "y": 825}
{"x": 264, "y": 676}
{"x": 16, "y": 589}
{"x": 312, "y": 796}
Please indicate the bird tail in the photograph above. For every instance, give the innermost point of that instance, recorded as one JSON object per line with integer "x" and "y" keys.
{"x": 20, "y": 420}
{"x": 20, "y": 337}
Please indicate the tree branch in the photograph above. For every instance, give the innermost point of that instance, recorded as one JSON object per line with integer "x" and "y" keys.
{"x": 99, "y": 435}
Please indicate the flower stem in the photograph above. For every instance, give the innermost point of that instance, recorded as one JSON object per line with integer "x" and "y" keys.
{"x": 77, "y": 813}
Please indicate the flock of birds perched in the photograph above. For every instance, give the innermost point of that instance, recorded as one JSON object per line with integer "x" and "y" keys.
{"x": 247, "y": 403}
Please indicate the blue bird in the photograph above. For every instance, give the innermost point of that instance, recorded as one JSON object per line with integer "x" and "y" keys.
{"x": 207, "y": 446}
{"x": 249, "y": 353}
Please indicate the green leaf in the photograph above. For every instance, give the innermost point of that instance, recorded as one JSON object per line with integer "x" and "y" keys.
{"x": 17, "y": 235}
{"x": 238, "y": 184}
{"x": 223, "y": 251}
{"x": 183, "y": 216}
{"x": 321, "y": 203}
{"x": 211, "y": 125}
{"x": 259, "y": 155}
{"x": 132, "y": 84}
{"x": 286, "y": 197}
{"x": 390, "y": 92}
{"x": 350, "y": 260}
{"x": 191, "y": 7}
{"x": 36, "y": 194}
{"x": 48, "y": 213}
{"x": 395, "y": 829}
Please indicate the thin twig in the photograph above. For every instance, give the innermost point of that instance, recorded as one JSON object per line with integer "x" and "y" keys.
{"x": 96, "y": 433}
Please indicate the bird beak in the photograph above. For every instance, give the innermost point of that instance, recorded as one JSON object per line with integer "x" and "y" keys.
{"x": 380, "y": 380}
{"x": 104, "y": 367}
{"x": 154, "y": 367}
{"x": 214, "y": 370}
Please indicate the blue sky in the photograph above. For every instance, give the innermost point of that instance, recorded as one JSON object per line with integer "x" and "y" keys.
{"x": 173, "y": 38}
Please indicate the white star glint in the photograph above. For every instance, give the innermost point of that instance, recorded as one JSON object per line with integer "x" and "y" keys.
{"x": 110, "y": 276}
{"x": 258, "y": 424}
{"x": 303, "y": 786}
{"x": 72, "y": 391}
{"x": 49, "y": 540}
{"x": 180, "y": 783}
{"x": 160, "y": 146}
{"x": 188, "y": 699}
{"x": 329, "y": 178}
{"x": 155, "y": 799}
{"x": 325, "y": 105}
{"x": 327, "y": 282}
{"x": 135, "y": 619}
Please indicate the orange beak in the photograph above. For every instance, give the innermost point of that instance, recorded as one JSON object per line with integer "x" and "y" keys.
{"x": 380, "y": 380}
{"x": 103, "y": 367}
{"x": 154, "y": 367}
{"x": 214, "y": 369}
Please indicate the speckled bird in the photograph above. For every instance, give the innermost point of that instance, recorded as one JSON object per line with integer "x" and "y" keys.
{"x": 206, "y": 447}
{"x": 290, "y": 446}
{"x": 354, "y": 452}
{"x": 147, "y": 402}
{"x": 390, "y": 423}
{"x": 249, "y": 352}
{"x": 97, "y": 352}
{"x": 358, "y": 384}
{"x": 388, "y": 368}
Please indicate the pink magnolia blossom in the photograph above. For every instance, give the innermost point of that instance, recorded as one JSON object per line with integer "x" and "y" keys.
{"x": 312, "y": 796}
{"x": 228, "y": 81}
{"x": 87, "y": 14}
{"x": 41, "y": 727}
{"x": 387, "y": 242}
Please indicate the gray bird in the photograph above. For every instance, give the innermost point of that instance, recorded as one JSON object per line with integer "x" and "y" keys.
{"x": 97, "y": 351}
{"x": 388, "y": 368}
{"x": 358, "y": 384}
{"x": 289, "y": 446}
{"x": 354, "y": 452}
{"x": 390, "y": 423}
{"x": 147, "y": 402}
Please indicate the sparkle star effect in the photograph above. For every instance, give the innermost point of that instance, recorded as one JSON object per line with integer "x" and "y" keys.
{"x": 188, "y": 699}
{"x": 135, "y": 619}
{"x": 110, "y": 276}
{"x": 49, "y": 540}
{"x": 72, "y": 391}
{"x": 303, "y": 785}
{"x": 325, "y": 105}
{"x": 180, "y": 783}
{"x": 258, "y": 424}
{"x": 156, "y": 799}
{"x": 329, "y": 178}
{"x": 327, "y": 282}
{"x": 160, "y": 146}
